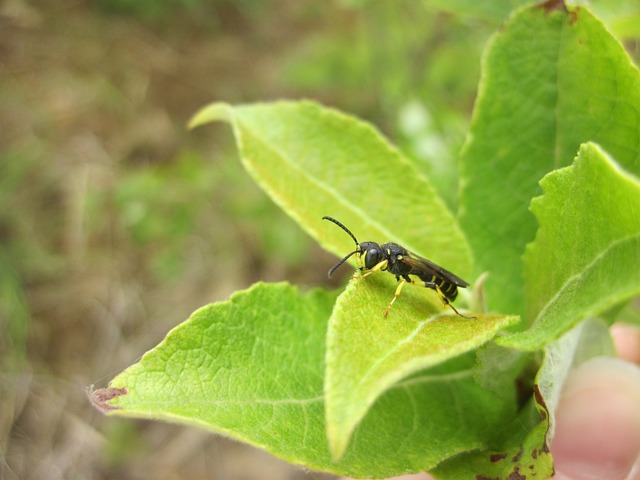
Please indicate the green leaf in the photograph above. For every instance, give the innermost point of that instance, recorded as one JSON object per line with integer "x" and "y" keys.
{"x": 527, "y": 459}
{"x": 252, "y": 368}
{"x": 523, "y": 451}
{"x": 586, "y": 256}
{"x": 586, "y": 340}
{"x": 621, "y": 16}
{"x": 551, "y": 81}
{"x": 368, "y": 354}
{"x": 494, "y": 11}
{"x": 315, "y": 161}
{"x": 246, "y": 368}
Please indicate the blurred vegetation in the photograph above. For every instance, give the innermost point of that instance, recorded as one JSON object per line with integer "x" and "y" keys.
{"x": 116, "y": 222}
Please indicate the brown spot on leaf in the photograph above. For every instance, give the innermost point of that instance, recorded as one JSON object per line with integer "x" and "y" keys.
{"x": 540, "y": 401}
{"x": 551, "y": 5}
{"x": 515, "y": 475}
{"x": 517, "y": 456}
{"x": 496, "y": 457}
{"x": 559, "y": 5}
{"x": 574, "y": 15}
{"x": 101, "y": 396}
{"x": 482, "y": 477}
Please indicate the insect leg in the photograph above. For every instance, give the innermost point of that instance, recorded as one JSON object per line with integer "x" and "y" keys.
{"x": 395, "y": 295}
{"x": 380, "y": 266}
{"x": 446, "y": 301}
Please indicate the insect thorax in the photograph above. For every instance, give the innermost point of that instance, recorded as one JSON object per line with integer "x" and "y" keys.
{"x": 395, "y": 254}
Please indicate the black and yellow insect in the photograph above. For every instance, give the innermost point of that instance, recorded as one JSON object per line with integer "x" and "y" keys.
{"x": 402, "y": 263}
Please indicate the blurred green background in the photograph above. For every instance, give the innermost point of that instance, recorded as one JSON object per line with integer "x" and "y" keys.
{"x": 116, "y": 222}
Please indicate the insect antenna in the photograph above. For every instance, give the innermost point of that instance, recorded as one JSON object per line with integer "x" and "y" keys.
{"x": 331, "y": 219}
{"x": 337, "y": 265}
{"x": 359, "y": 250}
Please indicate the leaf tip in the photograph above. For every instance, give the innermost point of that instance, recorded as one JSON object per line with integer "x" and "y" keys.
{"x": 217, "y": 111}
{"x": 550, "y": 5}
{"x": 99, "y": 398}
{"x": 337, "y": 445}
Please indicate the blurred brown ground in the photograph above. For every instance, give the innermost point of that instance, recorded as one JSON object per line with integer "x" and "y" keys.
{"x": 88, "y": 99}
{"x": 116, "y": 222}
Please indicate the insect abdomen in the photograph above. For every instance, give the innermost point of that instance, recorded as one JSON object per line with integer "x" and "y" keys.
{"x": 448, "y": 289}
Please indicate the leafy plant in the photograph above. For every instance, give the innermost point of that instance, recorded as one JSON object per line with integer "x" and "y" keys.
{"x": 322, "y": 379}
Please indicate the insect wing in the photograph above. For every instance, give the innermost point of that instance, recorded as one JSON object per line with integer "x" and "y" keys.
{"x": 422, "y": 266}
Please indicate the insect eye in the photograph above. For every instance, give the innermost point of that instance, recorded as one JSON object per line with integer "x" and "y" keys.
{"x": 372, "y": 257}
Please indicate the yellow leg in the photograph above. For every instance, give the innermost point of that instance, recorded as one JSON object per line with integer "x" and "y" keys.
{"x": 380, "y": 266}
{"x": 446, "y": 301}
{"x": 395, "y": 295}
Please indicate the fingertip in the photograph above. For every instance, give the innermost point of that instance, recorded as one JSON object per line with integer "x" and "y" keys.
{"x": 627, "y": 340}
{"x": 598, "y": 421}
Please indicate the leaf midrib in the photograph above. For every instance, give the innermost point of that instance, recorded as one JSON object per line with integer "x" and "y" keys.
{"x": 314, "y": 180}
